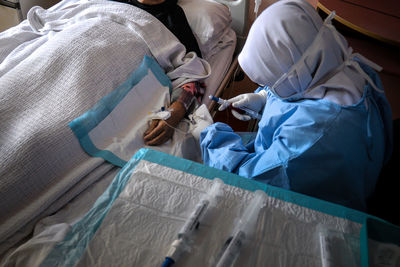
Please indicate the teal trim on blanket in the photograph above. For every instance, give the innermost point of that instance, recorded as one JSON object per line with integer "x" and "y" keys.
{"x": 382, "y": 231}
{"x": 364, "y": 258}
{"x": 82, "y": 125}
{"x": 285, "y": 195}
{"x": 251, "y": 185}
{"x": 92, "y": 150}
{"x": 377, "y": 230}
{"x": 72, "y": 248}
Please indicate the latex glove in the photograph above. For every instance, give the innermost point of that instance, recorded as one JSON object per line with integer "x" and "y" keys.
{"x": 160, "y": 131}
{"x": 252, "y": 101}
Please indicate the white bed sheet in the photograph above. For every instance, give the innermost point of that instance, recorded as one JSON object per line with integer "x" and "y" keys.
{"x": 219, "y": 61}
{"x": 219, "y": 58}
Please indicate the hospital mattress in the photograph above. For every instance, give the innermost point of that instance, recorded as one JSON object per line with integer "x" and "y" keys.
{"x": 140, "y": 213}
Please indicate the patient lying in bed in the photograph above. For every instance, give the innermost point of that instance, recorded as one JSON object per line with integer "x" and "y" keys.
{"x": 56, "y": 66}
{"x": 173, "y": 17}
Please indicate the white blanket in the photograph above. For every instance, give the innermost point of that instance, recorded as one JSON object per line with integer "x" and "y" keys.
{"x": 53, "y": 68}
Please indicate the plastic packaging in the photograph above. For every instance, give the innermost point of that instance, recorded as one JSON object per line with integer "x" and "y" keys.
{"x": 242, "y": 231}
{"x": 185, "y": 235}
{"x": 337, "y": 249}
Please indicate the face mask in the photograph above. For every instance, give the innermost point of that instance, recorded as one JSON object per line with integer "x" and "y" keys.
{"x": 299, "y": 74}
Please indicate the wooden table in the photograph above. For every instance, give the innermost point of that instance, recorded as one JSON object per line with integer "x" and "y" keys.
{"x": 377, "y": 19}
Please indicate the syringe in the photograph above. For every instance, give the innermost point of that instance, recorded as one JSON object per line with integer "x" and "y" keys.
{"x": 243, "y": 113}
{"x": 181, "y": 244}
{"x": 243, "y": 230}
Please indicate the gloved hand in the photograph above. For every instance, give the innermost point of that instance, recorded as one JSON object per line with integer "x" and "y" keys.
{"x": 252, "y": 101}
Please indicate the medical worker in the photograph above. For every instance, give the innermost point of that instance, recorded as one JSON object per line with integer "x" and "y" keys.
{"x": 326, "y": 124}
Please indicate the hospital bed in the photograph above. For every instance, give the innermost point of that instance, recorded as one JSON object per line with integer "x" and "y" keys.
{"x": 62, "y": 63}
{"x": 97, "y": 213}
{"x": 156, "y": 198}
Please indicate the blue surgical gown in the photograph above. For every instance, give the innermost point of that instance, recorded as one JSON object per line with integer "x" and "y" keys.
{"x": 314, "y": 147}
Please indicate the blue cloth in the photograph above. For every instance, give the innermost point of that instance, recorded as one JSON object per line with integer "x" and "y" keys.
{"x": 314, "y": 147}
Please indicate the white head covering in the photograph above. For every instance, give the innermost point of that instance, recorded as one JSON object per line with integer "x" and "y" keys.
{"x": 297, "y": 55}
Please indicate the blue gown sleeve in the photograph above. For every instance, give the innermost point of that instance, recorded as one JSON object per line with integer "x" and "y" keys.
{"x": 218, "y": 141}
{"x": 223, "y": 149}
{"x": 268, "y": 156}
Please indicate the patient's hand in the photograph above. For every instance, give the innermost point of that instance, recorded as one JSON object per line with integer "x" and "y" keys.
{"x": 160, "y": 131}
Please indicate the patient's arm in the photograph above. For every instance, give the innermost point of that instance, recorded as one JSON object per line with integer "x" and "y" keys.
{"x": 161, "y": 131}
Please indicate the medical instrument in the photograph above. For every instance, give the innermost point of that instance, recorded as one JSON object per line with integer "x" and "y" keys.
{"x": 161, "y": 114}
{"x": 238, "y": 113}
{"x": 241, "y": 113}
{"x": 164, "y": 114}
{"x": 243, "y": 230}
{"x": 185, "y": 235}
{"x": 218, "y": 100}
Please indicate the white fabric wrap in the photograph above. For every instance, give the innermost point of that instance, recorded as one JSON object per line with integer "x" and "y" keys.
{"x": 279, "y": 38}
{"x": 53, "y": 68}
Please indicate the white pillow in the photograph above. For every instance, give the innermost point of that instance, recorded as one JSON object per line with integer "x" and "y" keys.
{"x": 208, "y": 20}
